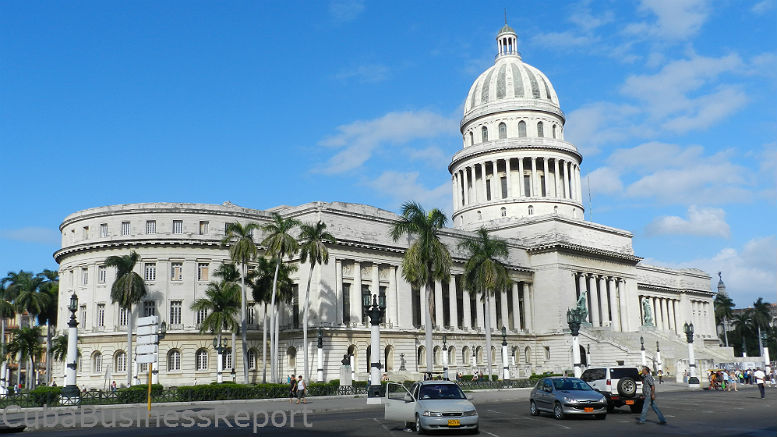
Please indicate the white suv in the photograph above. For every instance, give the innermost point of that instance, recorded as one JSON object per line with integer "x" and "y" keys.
{"x": 620, "y": 385}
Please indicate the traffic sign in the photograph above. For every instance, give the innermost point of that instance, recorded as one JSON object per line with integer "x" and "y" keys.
{"x": 146, "y": 321}
{"x": 148, "y": 339}
{"x": 143, "y": 349}
{"x": 147, "y": 330}
{"x": 147, "y": 358}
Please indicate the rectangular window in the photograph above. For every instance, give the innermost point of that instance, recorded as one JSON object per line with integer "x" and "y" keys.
{"x": 251, "y": 314}
{"x": 103, "y": 229}
{"x": 346, "y": 303}
{"x": 416, "y": 307}
{"x": 82, "y": 322}
{"x": 503, "y": 182}
{"x": 204, "y": 228}
{"x": 202, "y": 271}
{"x": 151, "y": 226}
{"x": 295, "y": 306}
{"x": 176, "y": 271}
{"x": 149, "y": 271}
{"x": 84, "y": 276}
{"x": 178, "y": 226}
{"x": 201, "y": 315}
{"x": 125, "y": 228}
{"x": 85, "y": 234}
{"x": 366, "y": 299}
{"x": 123, "y": 316}
{"x": 100, "y": 315}
{"x": 101, "y": 274}
{"x": 527, "y": 185}
{"x": 175, "y": 312}
{"x": 143, "y": 367}
{"x": 149, "y": 308}
{"x": 488, "y": 189}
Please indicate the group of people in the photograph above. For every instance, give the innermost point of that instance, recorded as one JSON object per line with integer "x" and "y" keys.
{"x": 728, "y": 380}
{"x": 297, "y": 388}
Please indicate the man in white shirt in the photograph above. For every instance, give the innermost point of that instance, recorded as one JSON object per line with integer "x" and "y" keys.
{"x": 759, "y": 376}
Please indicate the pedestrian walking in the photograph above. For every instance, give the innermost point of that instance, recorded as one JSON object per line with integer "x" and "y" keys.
{"x": 759, "y": 376}
{"x": 733, "y": 381}
{"x": 301, "y": 387}
{"x": 649, "y": 390}
{"x": 292, "y": 388}
{"x": 660, "y": 376}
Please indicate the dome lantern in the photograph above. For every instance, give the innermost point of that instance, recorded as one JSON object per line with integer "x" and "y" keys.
{"x": 507, "y": 42}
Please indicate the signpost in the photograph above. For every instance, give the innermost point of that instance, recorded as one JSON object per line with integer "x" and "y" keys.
{"x": 146, "y": 350}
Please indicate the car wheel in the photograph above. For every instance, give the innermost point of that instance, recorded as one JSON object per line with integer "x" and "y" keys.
{"x": 600, "y": 416}
{"x": 418, "y": 427}
{"x": 558, "y": 412}
{"x": 533, "y": 409}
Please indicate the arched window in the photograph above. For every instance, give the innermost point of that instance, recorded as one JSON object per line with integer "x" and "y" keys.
{"x": 97, "y": 362}
{"x": 173, "y": 360}
{"x": 484, "y": 133}
{"x": 527, "y": 355}
{"x": 554, "y": 131}
{"x": 531, "y": 210}
{"x": 502, "y": 131}
{"x": 421, "y": 358}
{"x": 201, "y": 360}
{"x": 521, "y": 128}
{"x": 437, "y": 356}
{"x": 388, "y": 357}
{"x": 120, "y": 362}
{"x": 466, "y": 356}
{"x": 503, "y": 211}
{"x": 451, "y": 356}
{"x": 547, "y": 353}
{"x": 479, "y": 355}
{"x": 540, "y": 132}
{"x": 291, "y": 358}
{"x": 252, "y": 359}
{"x": 555, "y": 209}
{"x": 493, "y": 354}
{"x": 471, "y": 139}
{"x": 226, "y": 358}
{"x": 480, "y": 215}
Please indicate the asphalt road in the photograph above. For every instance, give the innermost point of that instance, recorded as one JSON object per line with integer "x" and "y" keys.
{"x": 503, "y": 414}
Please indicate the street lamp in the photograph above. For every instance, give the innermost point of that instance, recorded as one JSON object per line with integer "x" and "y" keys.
{"x": 658, "y": 358}
{"x": 765, "y": 350}
{"x": 445, "y": 357}
{"x": 70, "y": 393}
{"x": 642, "y": 349}
{"x": 320, "y": 355}
{"x": 375, "y": 313}
{"x": 221, "y": 347}
{"x": 505, "y": 358}
{"x": 574, "y": 320}
{"x": 159, "y": 337}
{"x": 693, "y": 381}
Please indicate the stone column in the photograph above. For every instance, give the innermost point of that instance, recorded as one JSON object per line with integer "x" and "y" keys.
{"x": 465, "y": 181}
{"x": 339, "y": 291}
{"x": 568, "y": 172}
{"x": 614, "y": 307}
{"x": 516, "y": 308}
{"x": 594, "y": 301}
{"x": 479, "y": 310}
{"x": 604, "y": 298}
{"x": 483, "y": 183}
{"x": 392, "y": 298}
{"x": 534, "y": 186}
{"x": 668, "y": 315}
{"x": 522, "y": 190}
{"x": 624, "y": 315}
{"x": 672, "y": 315}
{"x": 356, "y": 294}
{"x": 509, "y": 178}
{"x": 439, "y": 319}
{"x": 453, "y": 302}
{"x": 545, "y": 178}
{"x": 492, "y": 312}
{"x": 528, "y": 300}
{"x": 467, "y": 319}
{"x": 496, "y": 181}
{"x": 454, "y": 184}
{"x": 556, "y": 179}
{"x": 503, "y": 309}
{"x": 579, "y": 183}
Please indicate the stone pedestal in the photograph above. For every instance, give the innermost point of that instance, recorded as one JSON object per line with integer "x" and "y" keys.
{"x": 345, "y": 376}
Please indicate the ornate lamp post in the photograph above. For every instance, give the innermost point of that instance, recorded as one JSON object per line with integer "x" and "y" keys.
{"x": 505, "y": 357}
{"x": 320, "y": 356}
{"x": 445, "y": 357}
{"x": 693, "y": 381}
{"x": 160, "y": 336}
{"x": 375, "y": 312}
{"x": 588, "y": 355}
{"x": 574, "y": 319}
{"x": 70, "y": 393}
{"x": 220, "y": 347}
{"x": 660, "y": 365}
{"x": 765, "y": 351}
{"x": 642, "y": 349}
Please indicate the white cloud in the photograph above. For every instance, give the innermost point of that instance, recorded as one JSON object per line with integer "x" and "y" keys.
{"x": 762, "y": 6}
{"x": 604, "y": 180}
{"x": 345, "y": 10}
{"x": 701, "y": 221}
{"x": 359, "y": 139}
{"x": 432, "y": 155}
{"x": 674, "y": 19}
{"x": 368, "y": 73}
{"x": 591, "y": 126}
{"x": 32, "y": 235}
{"x": 401, "y": 187}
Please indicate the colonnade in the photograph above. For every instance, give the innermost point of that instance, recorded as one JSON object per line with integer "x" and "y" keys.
{"x": 496, "y": 179}
{"x": 606, "y": 300}
{"x": 664, "y": 312}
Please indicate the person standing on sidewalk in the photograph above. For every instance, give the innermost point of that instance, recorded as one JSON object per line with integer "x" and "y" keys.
{"x": 301, "y": 387}
{"x": 649, "y": 390}
{"x": 759, "y": 376}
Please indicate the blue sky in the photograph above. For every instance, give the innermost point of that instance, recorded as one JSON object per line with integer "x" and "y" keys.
{"x": 264, "y": 103}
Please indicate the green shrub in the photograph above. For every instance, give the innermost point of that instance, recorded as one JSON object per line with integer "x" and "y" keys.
{"x": 137, "y": 393}
{"x": 45, "y": 395}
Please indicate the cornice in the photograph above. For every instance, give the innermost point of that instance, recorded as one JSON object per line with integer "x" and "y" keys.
{"x": 515, "y": 105}
{"x": 514, "y": 144}
{"x": 665, "y": 289}
{"x": 559, "y": 246}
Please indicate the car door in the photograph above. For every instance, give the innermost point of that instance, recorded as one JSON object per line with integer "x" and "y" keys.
{"x": 546, "y": 394}
{"x": 399, "y": 403}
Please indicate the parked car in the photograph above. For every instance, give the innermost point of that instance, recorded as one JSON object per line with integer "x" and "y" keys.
{"x": 430, "y": 406}
{"x": 566, "y": 396}
{"x": 620, "y": 385}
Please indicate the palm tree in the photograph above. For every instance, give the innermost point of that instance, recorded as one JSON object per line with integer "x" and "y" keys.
{"x": 260, "y": 279}
{"x": 50, "y": 288}
{"x": 59, "y": 348}
{"x": 228, "y": 272}
{"x": 278, "y": 244}
{"x": 426, "y": 260}
{"x": 313, "y": 239}
{"x": 222, "y": 302}
{"x": 242, "y": 249}
{"x": 128, "y": 289}
{"x": 484, "y": 272}
{"x": 25, "y": 342}
{"x": 724, "y": 306}
{"x": 743, "y": 323}
{"x": 7, "y": 310}
{"x": 29, "y": 299}
{"x": 761, "y": 319}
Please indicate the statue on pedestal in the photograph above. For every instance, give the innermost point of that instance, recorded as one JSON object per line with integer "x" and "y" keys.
{"x": 647, "y": 313}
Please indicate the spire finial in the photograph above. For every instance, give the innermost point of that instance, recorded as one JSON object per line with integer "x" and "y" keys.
{"x": 505, "y": 15}
{"x": 720, "y": 275}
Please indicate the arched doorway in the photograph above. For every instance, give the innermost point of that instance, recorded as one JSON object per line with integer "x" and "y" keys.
{"x": 388, "y": 356}
{"x": 583, "y": 356}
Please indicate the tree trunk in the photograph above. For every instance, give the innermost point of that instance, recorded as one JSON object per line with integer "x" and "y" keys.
{"x": 129, "y": 346}
{"x": 428, "y": 329}
{"x": 264, "y": 346}
{"x": 487, "y": 319}
{"x": 273, "y": 339}
{"x": 277, "y": 331}
{"x": 306, "y": 364}
{"x": 48, "y": 354}
{"x": 234, "y": 351}
{"x": 243, "y": 327}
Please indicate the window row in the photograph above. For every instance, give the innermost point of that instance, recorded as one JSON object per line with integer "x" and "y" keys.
{"x": 125, "y": 229}
{"x": 150, "y": 272}
{"x": 174, "y": 358}
{"x": 502, "y": 131}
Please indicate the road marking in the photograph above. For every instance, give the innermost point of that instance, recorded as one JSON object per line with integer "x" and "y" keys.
{"x": 497, "y": 412}
{"x": 491, "y": 433}
{"x": 565, "y": 427}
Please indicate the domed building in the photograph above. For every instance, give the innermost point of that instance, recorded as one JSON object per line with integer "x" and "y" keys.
{"x": 514, "y": 175}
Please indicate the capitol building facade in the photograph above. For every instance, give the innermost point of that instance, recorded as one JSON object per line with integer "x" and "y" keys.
{"x": 515, "y": 175}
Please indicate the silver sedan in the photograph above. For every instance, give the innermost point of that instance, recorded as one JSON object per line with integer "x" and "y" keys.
{"x": 566, "y": 396}
{"x": 430, "y": 406}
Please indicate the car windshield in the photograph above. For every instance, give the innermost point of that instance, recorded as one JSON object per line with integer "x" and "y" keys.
{"x": 571, "y": 384}
{"x": 441, "y": 391}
